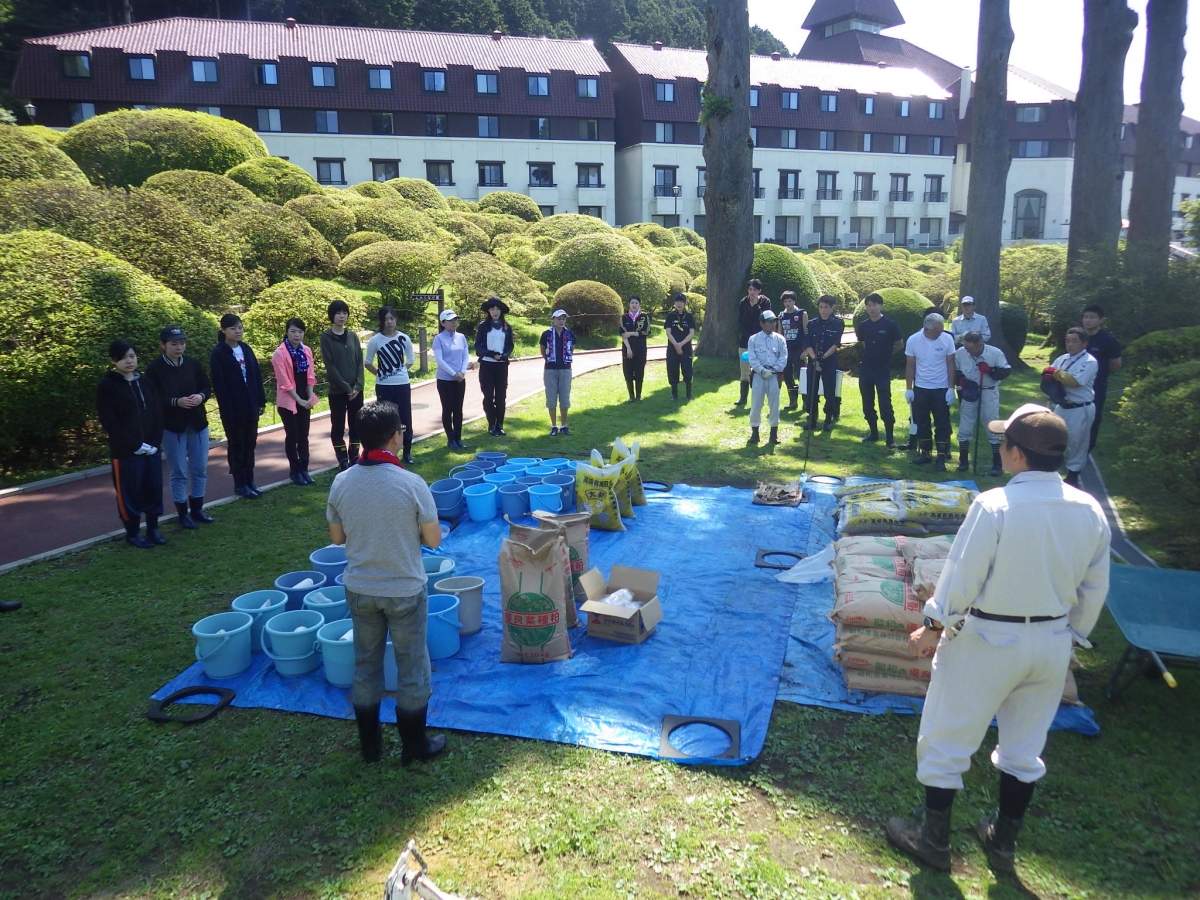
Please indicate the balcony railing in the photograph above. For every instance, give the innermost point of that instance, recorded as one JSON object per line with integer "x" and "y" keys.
{"x": 791, "y": 194}
{"x": 829, "y": 194}
{"x": 493, "y": 184}
{"x": 542, "y": 184}
{"x": 759, "y": 193}
{"x": 700, "y": 190}
{"x": 665, "y": 190}
{"x": 589, "y": 184}
{"x": 866, "y": 195}
{"x": 936, "y": 197}
{"x": 903, "y": 196}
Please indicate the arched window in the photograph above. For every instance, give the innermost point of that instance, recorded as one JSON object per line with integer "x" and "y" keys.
{"x": 1029, "y": 215}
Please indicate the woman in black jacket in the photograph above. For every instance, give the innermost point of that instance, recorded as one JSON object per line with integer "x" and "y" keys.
{"x": 130, "y": 413}
{"x": 635, "y": 327}
{"x": 238, "y": 385}
{"x": 493, "y": 346}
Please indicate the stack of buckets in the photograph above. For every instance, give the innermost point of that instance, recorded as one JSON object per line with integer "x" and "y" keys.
{"x": 491, "y": 487}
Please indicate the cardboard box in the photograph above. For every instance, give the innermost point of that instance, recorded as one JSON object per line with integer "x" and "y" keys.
{"x": 621, "y": 623}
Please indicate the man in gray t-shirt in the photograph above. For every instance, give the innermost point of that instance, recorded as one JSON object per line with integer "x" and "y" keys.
{"x": 383, "y": 514}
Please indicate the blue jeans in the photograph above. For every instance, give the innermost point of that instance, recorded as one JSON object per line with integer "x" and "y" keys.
{"x": 406, "y": 619}
{"x": 187, "y": 457}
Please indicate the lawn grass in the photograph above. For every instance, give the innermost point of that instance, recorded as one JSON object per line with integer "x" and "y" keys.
{"x": 97, "y": 801}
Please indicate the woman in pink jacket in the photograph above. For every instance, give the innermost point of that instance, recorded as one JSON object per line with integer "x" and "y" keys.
{"x": 295, "y": 377}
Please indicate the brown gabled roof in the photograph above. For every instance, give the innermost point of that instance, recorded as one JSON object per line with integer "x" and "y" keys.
{"x": 866, "y": 48}
{"x": 1186, "y": 123}
{"x": 823, "y": 12}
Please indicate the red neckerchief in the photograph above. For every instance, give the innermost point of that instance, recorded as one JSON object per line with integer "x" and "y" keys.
{"x": 379, "y": 457}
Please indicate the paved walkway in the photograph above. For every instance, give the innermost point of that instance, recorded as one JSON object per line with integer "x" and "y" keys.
{"x": 61, "y": 515}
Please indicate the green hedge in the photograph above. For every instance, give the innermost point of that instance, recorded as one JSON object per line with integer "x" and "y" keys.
{"x": 872, "y": 275}
{"x": 208, "y": 196}
{"x": 474, "y": 277}
{"x": 518, "y": 254}
{"x": 419, "y": 192}
{"x": 471, "y": 238}
{"x": 274, "y": 180}
{"x": 1014, "y": 325}
{"x": 700, "y": 284}
{"x": 397, "y": 269}
{"x": 361, "y": 239}
{"x": 126, "y": 147}
{"x": 509, "y": 204}
{"x": 656, "y": 234}
{"x": 377, "y": 190}
{"x": 564, "y": 226}
{"x": 281, "y": 243}
{"x": 400, "y": 223}
{"x": 608, "y": 258}
{"x": 308, "y": 300}
{"x": 687, "y": 236}
{"x": 1160, "y": 414}
{"x": 1160, "y": 348}
{"x": 26, "y": 155}
{"x": 64, "y": 302}
{"x": 905, "y": 307}
{"x": 596, "y": 307}
{"x": 332, "y": 219}
{"x": 779, "y": 270}
{"x": 882, "y": 251}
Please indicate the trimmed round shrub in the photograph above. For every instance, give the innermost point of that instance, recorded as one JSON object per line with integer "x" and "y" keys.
{"x": 400, "y": 223}
{"x": 460, "y": 205}
{"x": 208, "y": 196}
{"x": 377, "y": 190}
{"x": 471, "y": 238}
{"x": 694, "y": 264}
{"x": 841, "y": 259}
{"x": 64, "y": 301}
{"x": 361, "y": 239}
{"x": 876, "y": 274}
{"x": 678, "y": 281}
{"x": 943, "y": 288}
{"x": 700, "y": 284}
{"x": 1014, "y": 325}
{"x": 332, "y": 219}
{"x": 595, "y": 308}
{"x": 126, "y": 147}
{"x": 419, "y": 192}
{"x": 779, "y": 270}
{"x": 519, "y": 254}
{"x": 696, "y": 304}
{"x": 900, "y": 253}
{"x": 509, "y": 204}
{"x": 928, "y": 266}
{"x": 608, "y": 258}
{"x": 474, "y": 277}
{"x": 564, "y": 226}
{"x": 1161, "y": 415}
{"x": 26, "y": 155}
{"x": 496, "y": 224}
{"x": 1158, "y": 349}
{"x": 904, "y": 307}
{"x": 883, "y": 251}
{"x": 397, "y": 269}
{"x": 266, "y": 320}
{"x": 671, "y": 254}
{"x": 53, "y": 135}
{"x": 281, "y": 243}
{"x": 273, "y": 179}
{"x": 830, "y": 283}
{"x": 937, "y": 256}
{"x": 652, "y": 232}
{"x": 686, "y": 235}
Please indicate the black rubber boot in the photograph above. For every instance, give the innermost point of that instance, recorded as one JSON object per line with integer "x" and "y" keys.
{"x": 774, "y": 438}
{"x": 185, "y": 520}
{"x": 998, "y": 834}
{"x": 828, "y": 423}
{"x": 198, "y": 513}
{"x": 997, "y": 465}
{"x": 408, "y": 460}
{"x": 964, "y": 457}
{"x": 924, "y": 456}
{"x": 133, "y": 536}
{"x": 637, "y": 387}
{"x": 928, "y": 842}
{"x": 753, "y": 436}
{"x": 343, "y": 458}
{"x": 874, "y": 434}
{"x": 153, "y": 535}
{"x": 688, "y": 385}
{"x": 416, "y": 746}
{"x": 354, "y": 454}
{"x": 793, "y": 398}
{"x": 889, "y": 437}
{"x": 370, "y": 733}
{"x": 629, "y": 387}
{"x": 674, "y": 393}
{"x": 943, "y": 456}
{"x": 744, "y": 387}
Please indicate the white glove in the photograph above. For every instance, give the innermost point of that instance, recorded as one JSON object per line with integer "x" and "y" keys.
{"x": 908, "y": 395}
{"x": 144, "y": 450}
{"x": 949, "y": 396}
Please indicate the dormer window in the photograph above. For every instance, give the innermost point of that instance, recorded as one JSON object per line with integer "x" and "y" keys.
{"x": 141, "y": 68}
{"x": 852, "y": 25}
{"x": 664, "y": 91}
{"x": 77, "y": 65}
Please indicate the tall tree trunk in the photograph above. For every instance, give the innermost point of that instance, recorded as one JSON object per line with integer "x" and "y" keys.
{"x": 990, "y": 158}
{"x": 728, "y": 156}
{"x": 1158, "y": 133}
{"x": 1099, "y": 108}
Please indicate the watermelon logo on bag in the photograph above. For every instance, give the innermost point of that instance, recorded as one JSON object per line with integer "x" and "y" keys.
{"x": 530, "y": 617}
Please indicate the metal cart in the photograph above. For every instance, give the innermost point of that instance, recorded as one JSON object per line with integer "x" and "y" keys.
{"x": 1158, "y": 611}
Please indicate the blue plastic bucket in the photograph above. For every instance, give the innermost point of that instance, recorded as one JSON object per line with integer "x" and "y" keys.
{"x": 481, "y": 502}
{"x": 560, "y": 463}
{"x": 341, "y": 579}
{"x": 452, "y": 512}
{"x": 287, "y": 583}
{"x": 499, "y": 481}
{"x": 390, "y": 676}
{"x": 252, "y": 604}
{"x": 446, "y": 493}
{"x": 566, "y": 482}
{"x": 514, "y": 500}
{"x": 223, "y": 643}
{"x": 469, "y": 591}
{"x": 468, "y": 475}
{"x": 441, "y": 636}
{"x": 337, "y": 654}
{"x": 514, "y": 471}
{"x": 336, "y": 607}
{"x": 483, "y": 465}
{"x": 546, "y": 497}
{"x": 329, "y": 561}
{"x": 527, "y": 480}
{"x": 290, "y": 639}
{"x": 495, "y": 456}
{"x": 436, "y": 569}
{"x": 541, "y": 471}
{"x": 525, "y": 461}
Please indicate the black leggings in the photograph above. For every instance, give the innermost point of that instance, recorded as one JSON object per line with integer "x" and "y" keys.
{"x": 341, "y": 408}
{"x": 295, "y": 440}
{"x": 635, "y": 369}
{"x": 493, "y": 382}
{"x": 677, "y": 362}
{"x": 242, "y": 439}
{"x": 452, "y": 394}
{"x": 401, "y": 395}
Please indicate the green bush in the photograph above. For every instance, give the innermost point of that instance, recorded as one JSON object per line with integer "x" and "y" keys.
{"x": 126, "y": 147}
{"x": 1031, "y": 276}
{"x": 954, "y": 251}
{"x": 700, "y": 284}
{"x": 64, "y": 302}
{"x": 564, "y": 226}
{"x": 831, "y": 283}
{"x": 53, "y": 135}
{"x": 1159, "y": 349}
{"x": 474, "y": 277}
{"x": 943, "y": 288}
{"x": 332, "y": 219}
{"x": 377, "y": 190}
{"x": 397, "y": 269}
{"x": 883, "y": 251}
{"x": 686, "y": 235}
{"x": 496, "y": 224}
{"x": 904, "y": 307}
{"x": 1014, "y": 325}
{"x": 471, "y": 238}
{"x": 595, "y": 308}
{"x": 509, "y": 204}
{"x": 652, "y": 232}
{"x": 273, "y": 179}
{"x": 419, "y": 192}
{"x": 608, "y": 258}
{"x": 26, "y": 155}
{"x": 458, "y": 204}
{"x": 1160, "y": 413}
{"x": 779, "y": 270}
{"x": 927, "y": 266}
{"x": 208, "y": 196}
{"x": 938, "y": 256}
{"x": 696, "y": 305}
{"x": 360, "y": 239}
{"x": 842, "y": 259}
{"x": 671, "y": 255}
{"x": 695, "y": 264}
{"x": 518, "y": 254}
{"x": 281, "y": 243}
{"x": 875, "y": 274}
{"x": 400, "y": 223}
{"x": 309, "y": 301}
{"x": 900, "y": 253}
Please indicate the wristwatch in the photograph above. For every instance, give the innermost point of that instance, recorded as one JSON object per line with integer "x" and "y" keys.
{"x": 929, "y": 623}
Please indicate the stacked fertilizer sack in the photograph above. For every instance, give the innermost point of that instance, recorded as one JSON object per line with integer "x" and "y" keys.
{"x": 610, "y": 491}
{"x": 910, "y": 508}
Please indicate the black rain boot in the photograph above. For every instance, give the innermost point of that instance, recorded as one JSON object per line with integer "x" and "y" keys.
{"x": 753, "y": 435}
{"x": 198, "y": 513}
{"x": 185, "y": 520}
{"x": 744, "y": 387}
{"x": 133, "y": 536}
{"x": 964, "y": 457}
{"x": 874, "y": 435}
{"x": 407, "y": 458}
{"x": 889, "y": 436}
{"x": 924, "y": 456}
{"x": 774, "y": 438}
{"x": 928, "y": 842}
{"x": 416, "y": 746}
{"x": 629, "y": 387}
{"x": 828, "y": 423}
{"x": 997, "y": 465}
{"x": 998, "y": 834}
{"x": 354, "y": 454}
{"x": 370, "y": 732}
{"x": 343, "y": 459}
{"x": 836, "y": 404}
{"x": 793, "y": 398}
{"x": 943, "y": 455}
{"x": 637, "y": 387}
{"x": 688, "y": 385}
{"x": 153, "y": 535}
{"x": 1072, "y": 478}
{"x": 674, "y": 393}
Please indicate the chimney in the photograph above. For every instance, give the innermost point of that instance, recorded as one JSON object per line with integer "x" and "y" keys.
{"x": 658, "y": 45}
{"x": 775, "y": 56}
{"x": 497, "y": 34}
{"x": 289, "y": 22}
{"x": 964, "y": 91}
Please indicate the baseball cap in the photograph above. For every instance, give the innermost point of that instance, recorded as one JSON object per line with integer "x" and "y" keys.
{"x": 967, "y": 299}
{"x": 559, "y": 312}
{"x": 1035, "y": 428}
{"x": 172, "y": 333}
{"x": 767, "y": 316}
{"x": 446, "y": 315}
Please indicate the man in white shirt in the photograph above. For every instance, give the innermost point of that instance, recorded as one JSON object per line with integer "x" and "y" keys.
{"x": 768, "y": 354}
{"x": 969, "y": 320}
{"x": 981, "y": 368}
{"x": 1027, "y": 574}
{"x": 1076, "y": 371}
{"x": 928, "y": 376}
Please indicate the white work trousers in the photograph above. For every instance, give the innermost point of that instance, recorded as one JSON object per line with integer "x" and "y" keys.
{"x": 1014, "y": 672}
{"x": 758, "y": 387}
{"x": 1079, "y": 434}
{"x": 967, "y": 413}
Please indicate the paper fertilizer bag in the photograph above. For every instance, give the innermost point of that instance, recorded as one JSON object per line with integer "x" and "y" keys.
{"x": 578, "y": 528}
{"x": 534, "y": 603}
{"x": 621, "y": 488}
{"x": 534, "y": 538}
{"x": 595, "y": 488}
{"x": 630, "y": 457}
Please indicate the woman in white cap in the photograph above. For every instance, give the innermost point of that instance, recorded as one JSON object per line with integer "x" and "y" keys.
{"x": 453, "y": 357}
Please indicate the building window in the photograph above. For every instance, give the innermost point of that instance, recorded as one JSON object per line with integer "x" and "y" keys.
{"x": 902, "y": 108}
{"x": 700, "y": 225}
{"x": 790, "y": 99}
{"x": 487, "y": 83}
{"x": 77, "y": 65}
{"x": 439, "y": 173}
{"x": 1123, "y": 126}
{"x": 538, "y": 85}
{"x": 898, "y": 228}
{"x": 589, "y": 130}
{"x": 756, "y": 188}
{"x": 204, "y": 71}
{"x": 933, "y": 190}
{"x": 754, "y": 136}
{"x": 866, "y": 106}
{"x": 1033, "y": 149}
{"x": 789, "y": 185}
{"x": 671, "y": 221}
{"x": 266, "y": 73}
{"x": 935, "y": 146}
{"x": 900, "y": 191}
{"x": 664, "y": 91}
{"x": 787, "y": 230}
{"x": 489, "y": 126}
{"x": 146, "y": 107}
{"x": 937, "y": 110}
{"x": 829, "y": 103}
{"x": 385, "y": 169}
{"x": 754, "y": 96}
{"x": 827, "y": 186}
{"x": 866, "y": 143}
{"x": 1031, "y": 115}
{"x": 826, "y": 226}
{"x": 664, "y": 181}
{"x": 381, "y": 123}
{"x": 827, "y": 140}
{"x": 209, "y": 110}
{"x": 864, "y": 227}
{"x": 539, "y": 128}
{"x": 269, "y": 120}
{"x": 331, "y": 171}
{"x": 546, "y": 211}
{"x": 141, "y": 68}
{"x": 324, "y": 76}
{"x": 1189, "y": 141}
{"x": 541, "y": 175}
{"x": 955, "y": 226}
{"x": 932, "y": 229}
{"x": 899, "y": 143}
{"x": 379, "y": 79}
{"x": 491, "y": 174}
{"x": 701, "y": 181}
{"x": 596, "y": 211}
{"x": 587, "y": 88}
{"x": 81, "y": 112}
{"x": 864, "y": 186}
{"x": 664, "y": 132}
{"x": 436, "y": 124}
{"x": 435, "y": 80}
{"x": 1029, "y": 215}
{"x": 327, "y": 121}
{"x": 588, "y": 175}
{"x": 789, "y": 138}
